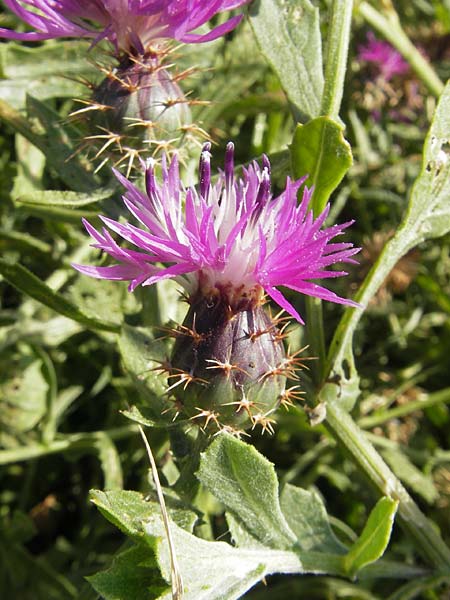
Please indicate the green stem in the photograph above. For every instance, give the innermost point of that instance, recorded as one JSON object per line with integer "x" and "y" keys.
{"x": 336, "y": 58}
{"x": 315, "y": 336}
{"x": 73, "y": 442}
{"x": 427, "y": 540}
{"x": 405, "y": 409}
{"x": 336, "y": 65}
{"x": 388, "y": 25}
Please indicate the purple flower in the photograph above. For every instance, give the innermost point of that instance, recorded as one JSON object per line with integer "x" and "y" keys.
{"x": 131, "y": 25}
{"x": 386, "y": 59}
{"x": 231, "y": 238}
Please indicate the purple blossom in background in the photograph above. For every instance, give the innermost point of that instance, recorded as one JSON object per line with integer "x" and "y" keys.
{"x": 386, "y": 59}
{"x": 131, "y": 25}
{"x": 231, "y": 237}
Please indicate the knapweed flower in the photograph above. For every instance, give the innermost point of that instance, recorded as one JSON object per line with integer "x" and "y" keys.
{"x": 231, "y": 238}
{"x": 139, "y": 105}
{"x": 386, "y": 60}
{"x": 228, "y": 244}
{"x": 130, "y": 25}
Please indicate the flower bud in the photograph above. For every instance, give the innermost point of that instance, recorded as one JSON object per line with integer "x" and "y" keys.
{"x": 234, "y": 361}
{"x": 140, "y": 98}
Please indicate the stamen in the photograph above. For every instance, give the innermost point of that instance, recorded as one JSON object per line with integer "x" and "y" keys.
{"x": 150, "y": 183}
{"x": 205, "y": 171}
{"x": 229, "y": 166}
{"x": 263, "y": 190}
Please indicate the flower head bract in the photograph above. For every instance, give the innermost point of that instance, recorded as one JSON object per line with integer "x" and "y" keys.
{"x": 231, "y": 238}
{"x": 130, "y": 25}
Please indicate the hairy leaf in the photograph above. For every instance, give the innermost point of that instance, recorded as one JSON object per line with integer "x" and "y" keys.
{"x": 288, "y": 34}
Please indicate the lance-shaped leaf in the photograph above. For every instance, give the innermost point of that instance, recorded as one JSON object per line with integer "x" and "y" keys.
{"x": 288, "y": 33}
{"x": 375, "y": 537}
{"x": 29, "y": 284}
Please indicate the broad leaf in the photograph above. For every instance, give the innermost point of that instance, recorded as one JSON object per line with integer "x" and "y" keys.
{"x": 247, "y": 485}
{"x": 24, "y": 394}
{"x": 129, "y": 511}
{"x": 134, "y": 573}
{"x": 288, "y": 34}
{"x": 320, "y": 151}
{"x": 48, "y": 71}
{"x": 58, "y": 142}
{"x": 308, "y": 519}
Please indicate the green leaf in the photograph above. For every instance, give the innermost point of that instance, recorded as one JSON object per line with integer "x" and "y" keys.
{"x": 308, "y": 519}
{"x": 64, "y": 199}
{"x": 428, "y": 213}
{"x": 246, "y": 483}
{"x": 58, "y": 144}
{"x": 99, "y": 299}
{"x": 288, "y": 34}
{"x": 134, "y": 574}
{"x": 110, "y": 462}
{"x": 47, "y": 71}
{"x": 375, "y": 537}
{"x": 142, "y": 355}
{"x": 216, "y": 570}
{"x": 30, "y": 167}
{"x": 29, "y": 284}
{"x": 320, "y": 151}
{"x": 129, "y": 510}
{"x": 23, "y": 389}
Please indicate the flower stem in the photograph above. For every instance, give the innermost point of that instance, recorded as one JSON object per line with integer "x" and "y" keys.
{"x": 427, "y": 540}
{"x": 316, "y": 337}
{"x": 388, "y": 25}
{"x": 76, "y": 442}
{"x": 336, "y": 65}
{"x": 336, "y": 56}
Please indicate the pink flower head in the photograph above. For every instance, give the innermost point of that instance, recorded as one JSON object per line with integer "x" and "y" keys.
{"x": 386, "y": 59}
{"x": 230, "y": 237}
{"x": 131, "y": 25}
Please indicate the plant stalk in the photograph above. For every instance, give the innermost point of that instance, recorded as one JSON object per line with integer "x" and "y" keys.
{"x": 338, "y": 41}
{"x": 427, "y": 540}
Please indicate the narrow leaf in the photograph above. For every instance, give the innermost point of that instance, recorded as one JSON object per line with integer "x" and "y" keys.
{"x": 375, "y": 537}
{"x": 29, "y": 284}
{"x": 66, "y": 199}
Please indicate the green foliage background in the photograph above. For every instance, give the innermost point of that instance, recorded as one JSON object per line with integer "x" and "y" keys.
{"x": 76, "y": 355}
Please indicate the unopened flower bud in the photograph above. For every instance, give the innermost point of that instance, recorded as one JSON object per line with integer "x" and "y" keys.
{"x": 234, "y": 359}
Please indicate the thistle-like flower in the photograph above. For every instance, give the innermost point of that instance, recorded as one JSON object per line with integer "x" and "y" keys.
{"x": 386, "y": 60}
{"x": 230, "y": 239}
{"x": 139, "y": 104}
{"x": 228, "y": 244}
{"x": 130, "y": 25}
